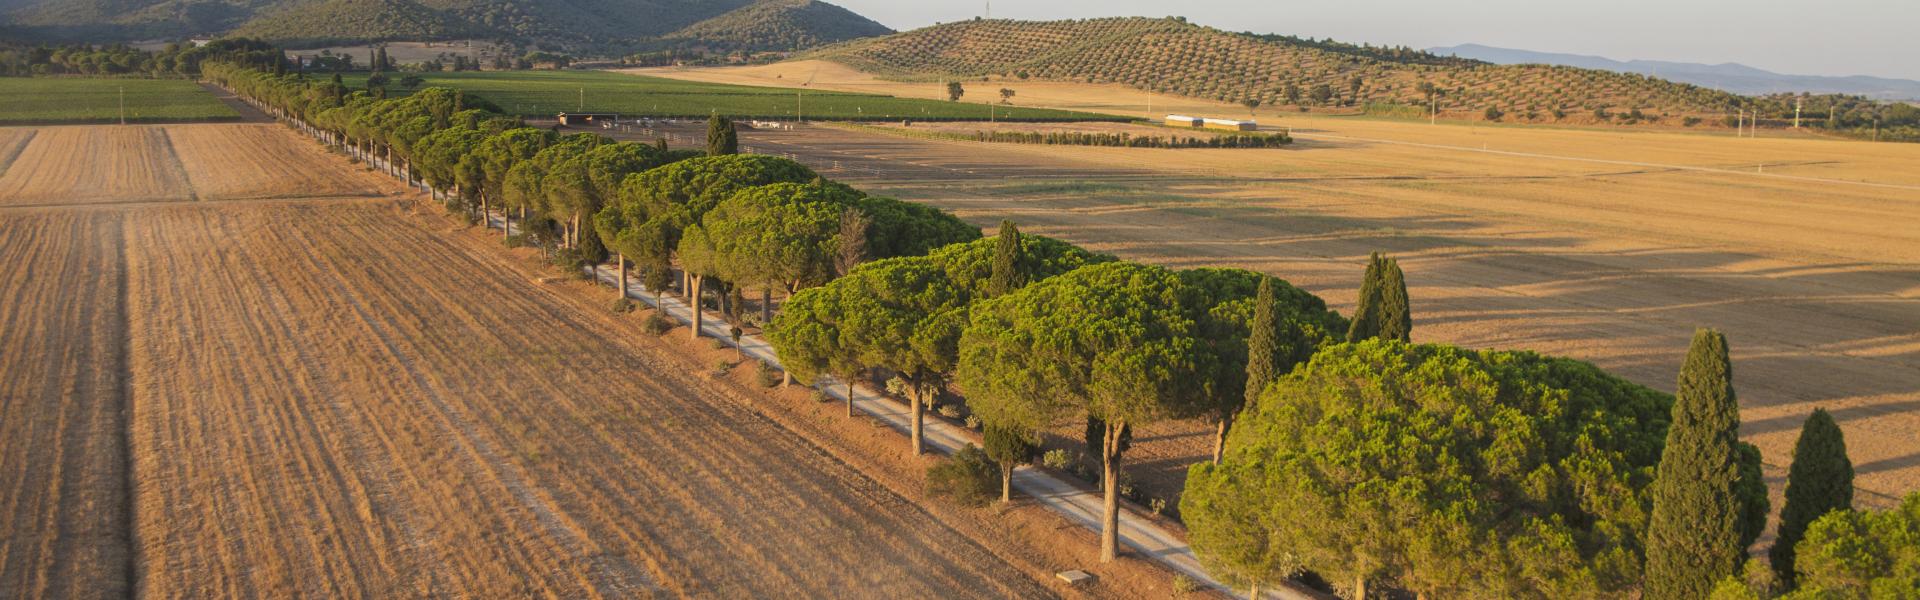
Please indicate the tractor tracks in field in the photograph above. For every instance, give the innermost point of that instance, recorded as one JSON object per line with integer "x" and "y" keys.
{"x": 610, "y": 576}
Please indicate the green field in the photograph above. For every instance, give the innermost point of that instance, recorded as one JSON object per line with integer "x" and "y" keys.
{"x": 544, "y": 93}
{"x": 46, "y": 100}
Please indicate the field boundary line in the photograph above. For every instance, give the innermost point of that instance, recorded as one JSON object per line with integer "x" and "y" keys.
{"x": 7, "y": 158}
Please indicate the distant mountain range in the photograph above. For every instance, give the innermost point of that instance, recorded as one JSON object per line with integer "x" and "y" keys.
{"x": 1731, "y": 77}
{"x": 713, "y": 24}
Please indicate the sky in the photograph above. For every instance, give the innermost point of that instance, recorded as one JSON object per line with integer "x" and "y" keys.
{"x": 1824, "y": 37}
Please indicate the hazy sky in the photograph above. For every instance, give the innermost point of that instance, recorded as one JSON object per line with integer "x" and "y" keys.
{"x": 1820, "y": 37}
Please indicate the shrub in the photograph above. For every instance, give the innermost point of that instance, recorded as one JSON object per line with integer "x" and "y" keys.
{"x": 717, "y": 343}
{"x": 518, "y": 240}
{"x": 969, "y": 478}
{"x": 897, "y": 387}
{"x": 622, "y": 306}
{"x": 766, "y": 374}
{"x": 1182, "y": 584}
{"x": 1058, "y": 460}
{"x": 820, "y": 395}
{"x": 1157, "y": 505}
{"x": 657, "y": 323}
{"x": 951, "y": 411}
{"x": 974, "y": 423}
{"x": 722, "y": 367}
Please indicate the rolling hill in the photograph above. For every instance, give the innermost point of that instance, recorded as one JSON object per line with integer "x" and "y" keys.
{"x": 1171, "y": 55}
{"x": 1732, "y": 77}
{"x": 719, "y": 24}
{"x": 780, "y": 25}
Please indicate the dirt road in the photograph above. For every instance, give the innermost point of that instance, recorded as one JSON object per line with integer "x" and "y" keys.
{"x": 325, "y": 397}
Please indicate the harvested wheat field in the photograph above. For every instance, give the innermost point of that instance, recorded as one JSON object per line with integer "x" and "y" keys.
{"x": 92, "y": 165}
{"x": 442, "y": 421}
{"x": 227, "y": 162}
{"x": 63, "y": 508}
{"x": 335, "y": 397}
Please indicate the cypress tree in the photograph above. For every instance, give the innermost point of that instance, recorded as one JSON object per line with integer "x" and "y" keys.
{"x": 1819, "y": 481}
{"x": 722, "y": 138}
{"x": 1263, "y": 360}
{"x": 1396, "y": 312}
{"x": 1703, "y": 502}
{"x": 1366, "y": 313}
{"x": 661, "y": 145}
{"x": 1006, "y": 261}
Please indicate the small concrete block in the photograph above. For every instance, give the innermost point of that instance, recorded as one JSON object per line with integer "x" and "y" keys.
{"x": 1074, "y": 577}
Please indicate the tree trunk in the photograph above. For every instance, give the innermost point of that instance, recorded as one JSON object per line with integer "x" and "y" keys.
{"x": 766, "y": 307}
{"x": 1006, "y": 483}
{"x": 1220, "y": 438}
{"x": 1110, "y": 522}
{"x": 849, "y": 397}
{"x": 1360, "y": 588}
{"x": 506, "y": 224}
{"x": 693, "y": 300}
{"x": 913, "y": 396}
{"x": 623, "y": 276}
{"x": 786, "y": 378}
{"x": 486, "y": 217}
{"x": 1255, "y": 593}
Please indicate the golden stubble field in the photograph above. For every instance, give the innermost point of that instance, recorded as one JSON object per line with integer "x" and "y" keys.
{"x": 1606, "y": 245}
{"x": 334, "y": 397}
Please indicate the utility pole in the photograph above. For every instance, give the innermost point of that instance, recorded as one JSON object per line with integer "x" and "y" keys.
{"x": 123, "y": 105}
{"x": 1796, "y": 113}
{"x": 1433, "y": 109}
{"x": 583, "y": 99}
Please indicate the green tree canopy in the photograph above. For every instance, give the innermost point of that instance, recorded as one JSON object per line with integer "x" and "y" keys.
{"x": 1383, "y": 310}
{"x": 1442, "y": 470}
{"x": 1819, "y": 481}
{"x": 903, "y": 314}
{"x": 1709, "y": 502}
{"x": 653, "y": 207}
{"x": 1114, "y": 341}
{"x": 771, "y": 236}
{"x": 498, "y": 154}
{"x": 1227, "y": 301}
{"x": 1861, "y": 554}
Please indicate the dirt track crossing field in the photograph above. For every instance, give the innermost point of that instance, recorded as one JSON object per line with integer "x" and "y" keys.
{"x": 327, "y": 398}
